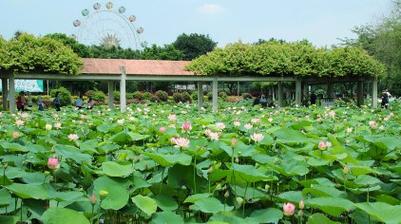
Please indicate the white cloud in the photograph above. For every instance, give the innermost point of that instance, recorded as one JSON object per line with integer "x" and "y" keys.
{"x": 210, "y": 9}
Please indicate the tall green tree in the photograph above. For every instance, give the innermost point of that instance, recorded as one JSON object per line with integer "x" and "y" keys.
{"x": 167, "y": 52}
{"x": 383, "y": 41}
{"x": 194, "y": 45}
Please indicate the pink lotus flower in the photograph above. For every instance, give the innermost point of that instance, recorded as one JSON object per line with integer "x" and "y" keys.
{"x": 180, "y": 142}
{"x": 248, "y": 126}
{"x": 220, "y": 125}
{"x": 257, "y": 137}
{"x": 73, "y": 137}
{"x": 53, "y": 163}
{"x": 373, "y": 124}
{"x": 162, "y": 129}
{"x": 16, "y": 135}
{"x": 212, "y": 135}
{"x": 255, "y": 120}
{"x": 19, "y": 122}
{"x": 186, "y": 126}
{"x": 172, "y": 117}
{"x": 324, "y": 145}
{"x": 237, "y": 123}
{"x": 288, "y": 209}
{"x": 57, "y": 125}
{"x": 332, "y": 114}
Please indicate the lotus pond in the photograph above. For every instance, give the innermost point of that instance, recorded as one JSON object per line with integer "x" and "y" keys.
{"x": 166, "y": 163}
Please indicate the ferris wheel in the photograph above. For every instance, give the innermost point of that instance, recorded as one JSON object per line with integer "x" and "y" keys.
{"x": 109, "y": 26}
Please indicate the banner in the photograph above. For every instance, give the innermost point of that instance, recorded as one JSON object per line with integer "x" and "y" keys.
{"x": 33, "y": 86}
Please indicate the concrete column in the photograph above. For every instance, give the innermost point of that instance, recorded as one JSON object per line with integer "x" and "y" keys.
{"x": 110, "y": 88}
{"x": 4, "y": 84}
{"x": 200, "y": 95}
{"x": 238, "y": 89}
{"x": 123, "y": 89}
{"x": 280, "y": 94}
{"x": 374, "y": 93}
{"x": 360, "y": 93}
{"x": 298, "y": 92}
{"x": 215, "y": 94}
{"x": 12, "y": 106}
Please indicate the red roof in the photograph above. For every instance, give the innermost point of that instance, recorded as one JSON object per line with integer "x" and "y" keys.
{"x": 134, "y": 67}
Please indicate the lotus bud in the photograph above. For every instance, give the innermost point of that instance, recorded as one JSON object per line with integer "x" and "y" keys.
{"x": 346, "y": 170}
{"x": 218, "y": 187}
{"x": 92, "y": 199}
{"x": 239, "y": 200}
{"x": 103, "y": 193}
{"x": 227, "y": 194}
{"x": 267, "y": 187}
{"x": 301, "y": 204}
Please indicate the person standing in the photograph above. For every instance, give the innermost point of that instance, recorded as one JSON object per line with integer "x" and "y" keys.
{"x": 57, "y": 101}
{"x": 91, "y": 103}
{"x": 313, "y": 99}
{"x": 79, "y": 103}
{"x": 385, "y": 98}
{"x": 21, "y": 101}
{"x": 41, "y": 105}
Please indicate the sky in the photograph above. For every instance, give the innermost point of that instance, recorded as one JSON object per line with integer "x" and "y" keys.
{"x": 320, "y": 21}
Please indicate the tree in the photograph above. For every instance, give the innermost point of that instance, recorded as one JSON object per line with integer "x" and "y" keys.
{"x": 383, "y": 41}
{"x": 194, "y": 45}
{"x": 80, "y": 49}
{"x": 27, "y": 53}
{"x": 167, "y": 52}
{"x": 287, "y": 59}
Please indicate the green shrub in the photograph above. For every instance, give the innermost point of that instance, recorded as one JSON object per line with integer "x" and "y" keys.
{"x": 154, "y": 98}
{"x": 137, "y": 95}
{"x": 65, "y": 95}
{"x": 96, "y": 95}
{"x": 194, "y": 95}
{"x": 186, "y": 97}
{"x": 147, "y": 95}
{"x": 116, "y": 95}
{"x": 129, "y": 96}
{"x": 223, "y": 95}
{"x": 162, "y": 95}
{"x": 177, "y": 97}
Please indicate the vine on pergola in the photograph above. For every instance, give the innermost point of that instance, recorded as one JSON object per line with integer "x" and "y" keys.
{"x": 27, "y": 53}
{"x": 298, "y": 59}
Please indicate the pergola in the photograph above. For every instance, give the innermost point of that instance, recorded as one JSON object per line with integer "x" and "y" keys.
{"x": 120, "y": 70}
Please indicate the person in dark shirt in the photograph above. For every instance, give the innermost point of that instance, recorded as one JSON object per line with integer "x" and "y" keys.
{"x": 57, "y": 102}
{"x": 313, "y": 99}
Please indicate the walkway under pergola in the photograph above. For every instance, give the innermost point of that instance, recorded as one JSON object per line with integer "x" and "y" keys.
{"x": 119, "y": 70}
